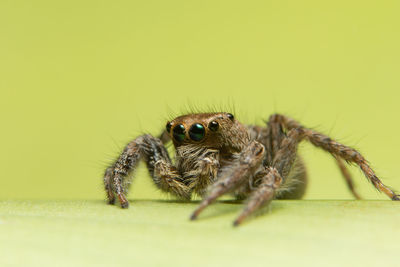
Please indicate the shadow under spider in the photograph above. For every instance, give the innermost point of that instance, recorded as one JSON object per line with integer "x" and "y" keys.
{"x": 239, "y": 205}
{"x": 217, "y": 210}
{"x": 178, "y": 201}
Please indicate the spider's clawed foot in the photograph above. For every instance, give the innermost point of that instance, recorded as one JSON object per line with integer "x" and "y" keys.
{"x": 124, "y": 202}
{"x": 125, "y": 205}
{"x": 239, "y": 219}
{"x": 202, "y": 206}
{"x": 396, "y": 197}
{"x": 237, "y": 222}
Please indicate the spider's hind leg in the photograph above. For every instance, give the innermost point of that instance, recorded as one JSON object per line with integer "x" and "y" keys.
{"x": 340, "y": 151}
{"x": 347, "y": 176}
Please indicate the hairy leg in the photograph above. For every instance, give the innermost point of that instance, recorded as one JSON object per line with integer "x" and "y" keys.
{"x": 264, "y": 193}
{"x": 295, "y": 183}
{"x": 338, "y": 150}
{"x": 274, "y": 176}
{"x": 271, "y": 137}
{"x": 347, "y": 176}
{"x": 108, "y": 185}
{"x": 249, "y": 161}
{"x": 152, "y": 151}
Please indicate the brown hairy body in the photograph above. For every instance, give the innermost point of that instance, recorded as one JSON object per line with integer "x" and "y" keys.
{"x": 216, "y": 155}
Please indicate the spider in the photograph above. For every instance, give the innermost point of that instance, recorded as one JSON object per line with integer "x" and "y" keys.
{"x": 216, "y": 154}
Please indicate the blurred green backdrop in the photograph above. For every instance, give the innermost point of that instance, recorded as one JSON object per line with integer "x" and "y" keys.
{"x": 79, "y": 79}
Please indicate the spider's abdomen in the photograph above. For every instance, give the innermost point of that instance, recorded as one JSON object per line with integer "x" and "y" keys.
{"x": 295, "y": 185}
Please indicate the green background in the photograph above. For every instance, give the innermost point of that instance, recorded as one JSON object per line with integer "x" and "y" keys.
{"x": 79, "y": 79}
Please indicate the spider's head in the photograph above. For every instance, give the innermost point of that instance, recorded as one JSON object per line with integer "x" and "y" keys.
{"x": 213, "y": 130}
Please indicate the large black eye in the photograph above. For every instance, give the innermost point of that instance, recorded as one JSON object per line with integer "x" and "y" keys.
{"x": 168, "y": 127}
{"x": 179, "y": 132}
{"x": 197, "y": 132}
{"x": 230, "y": 116}
{"x": 213, "y": 126}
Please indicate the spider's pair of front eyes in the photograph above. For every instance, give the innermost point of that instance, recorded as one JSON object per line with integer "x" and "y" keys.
{"x": 196, "y": 132}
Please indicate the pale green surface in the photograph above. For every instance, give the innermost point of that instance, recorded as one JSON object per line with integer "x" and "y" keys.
{"x": 158, "y": 233}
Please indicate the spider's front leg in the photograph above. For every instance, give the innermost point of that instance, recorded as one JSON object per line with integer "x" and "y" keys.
{"x": 272, "y": 177}
{"x": 249, "y": 161}
{"x": 158, "y": 162}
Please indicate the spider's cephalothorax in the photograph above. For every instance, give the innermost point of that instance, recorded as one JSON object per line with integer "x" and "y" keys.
{"x": 216, "y": 154}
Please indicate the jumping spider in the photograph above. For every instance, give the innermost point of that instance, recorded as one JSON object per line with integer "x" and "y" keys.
{"x": 216, "y": 154}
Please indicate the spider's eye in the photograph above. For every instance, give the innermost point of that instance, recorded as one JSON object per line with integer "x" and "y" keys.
{"x": 168, "y": 127}
{"x": 197, "y": 132}
{"x": 179, "y": 132}
{"x": 213, "y": 126}
{"x": 230, "y": 116}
